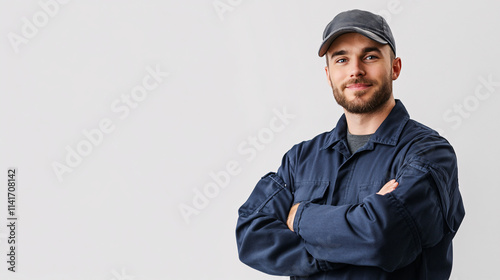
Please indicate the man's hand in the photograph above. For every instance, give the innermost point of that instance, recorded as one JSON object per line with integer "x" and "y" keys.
{"x": 387, "y": 188}
{"x": 291, "y": 216}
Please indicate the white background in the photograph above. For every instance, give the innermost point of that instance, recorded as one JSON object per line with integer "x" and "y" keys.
{"x": 116, "y": 214}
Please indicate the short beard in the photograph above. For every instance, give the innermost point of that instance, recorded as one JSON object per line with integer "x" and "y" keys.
{"x": 377, "y": 101}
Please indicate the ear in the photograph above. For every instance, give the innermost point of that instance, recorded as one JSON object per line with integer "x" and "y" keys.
{"x": 396, "y": 68}
{"x": 328, "y": 76}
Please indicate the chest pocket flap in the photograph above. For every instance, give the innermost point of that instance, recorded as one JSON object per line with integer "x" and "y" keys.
{"x": 311, "y": 191}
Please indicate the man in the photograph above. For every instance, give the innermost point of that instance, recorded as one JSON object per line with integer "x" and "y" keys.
{"x": 375, "y": 198}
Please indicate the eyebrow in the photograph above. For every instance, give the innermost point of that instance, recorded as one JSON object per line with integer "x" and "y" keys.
{"x": 372, "y": 49}
{"x": 337, "y": 53}
{"x": 365, "y": 50}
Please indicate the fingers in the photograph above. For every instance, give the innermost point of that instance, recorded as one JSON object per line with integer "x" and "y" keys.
{"x": 388, "y": 187}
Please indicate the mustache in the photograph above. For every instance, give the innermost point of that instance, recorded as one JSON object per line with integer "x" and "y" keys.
{"x": 357, "y": 81}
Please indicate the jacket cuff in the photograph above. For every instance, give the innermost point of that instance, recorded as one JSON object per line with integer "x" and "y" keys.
{"x": 298, "y": 216}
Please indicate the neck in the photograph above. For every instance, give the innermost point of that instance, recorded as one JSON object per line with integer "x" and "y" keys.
{"x": 368, "y": 123}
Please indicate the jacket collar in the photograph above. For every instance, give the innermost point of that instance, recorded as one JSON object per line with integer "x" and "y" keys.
{"x": 388, "y": 132}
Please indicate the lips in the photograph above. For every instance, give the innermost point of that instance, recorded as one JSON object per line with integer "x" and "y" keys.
{"x": 358, "y": 86}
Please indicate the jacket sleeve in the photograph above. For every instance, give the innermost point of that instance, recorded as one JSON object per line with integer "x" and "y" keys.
{"x": 389, "y": 231}
{"x": 263, "y": 238}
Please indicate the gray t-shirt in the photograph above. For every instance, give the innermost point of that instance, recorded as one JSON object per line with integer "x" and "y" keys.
{"x": 356, "y": 141}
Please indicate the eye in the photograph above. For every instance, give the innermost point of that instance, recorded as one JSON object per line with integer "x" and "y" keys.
{"x": 371, "y": 57}
{"x": 341, "y": 60}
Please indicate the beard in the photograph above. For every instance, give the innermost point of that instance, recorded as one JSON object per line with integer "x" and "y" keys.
{"x": 357, "y": 106}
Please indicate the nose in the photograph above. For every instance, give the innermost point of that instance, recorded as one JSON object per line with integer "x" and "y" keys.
{"x": 357, "y": 68}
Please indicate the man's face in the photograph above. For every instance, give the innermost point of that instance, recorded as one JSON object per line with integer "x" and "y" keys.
{"x": 360, "y": 72}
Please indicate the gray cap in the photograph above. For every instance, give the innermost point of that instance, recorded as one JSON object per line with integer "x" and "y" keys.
{"x": 365, "y": 23}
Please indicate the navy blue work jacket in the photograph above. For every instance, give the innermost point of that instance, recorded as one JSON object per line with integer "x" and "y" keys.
{"x": 343, "y": 229}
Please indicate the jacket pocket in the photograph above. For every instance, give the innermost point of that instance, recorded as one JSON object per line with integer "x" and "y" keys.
{"x": 310, "y": 191}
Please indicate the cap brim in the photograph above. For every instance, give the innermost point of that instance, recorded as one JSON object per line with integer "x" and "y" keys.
{"x": 329, "y": 40}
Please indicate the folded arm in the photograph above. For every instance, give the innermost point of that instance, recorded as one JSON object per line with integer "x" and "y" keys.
{"x": 387, "y": 188}
{"x": 386, "y": 231}
{"x": 263, "y": 238}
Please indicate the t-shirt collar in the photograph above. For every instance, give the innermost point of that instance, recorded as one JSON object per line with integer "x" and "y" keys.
{"x": 388, "y": 132}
